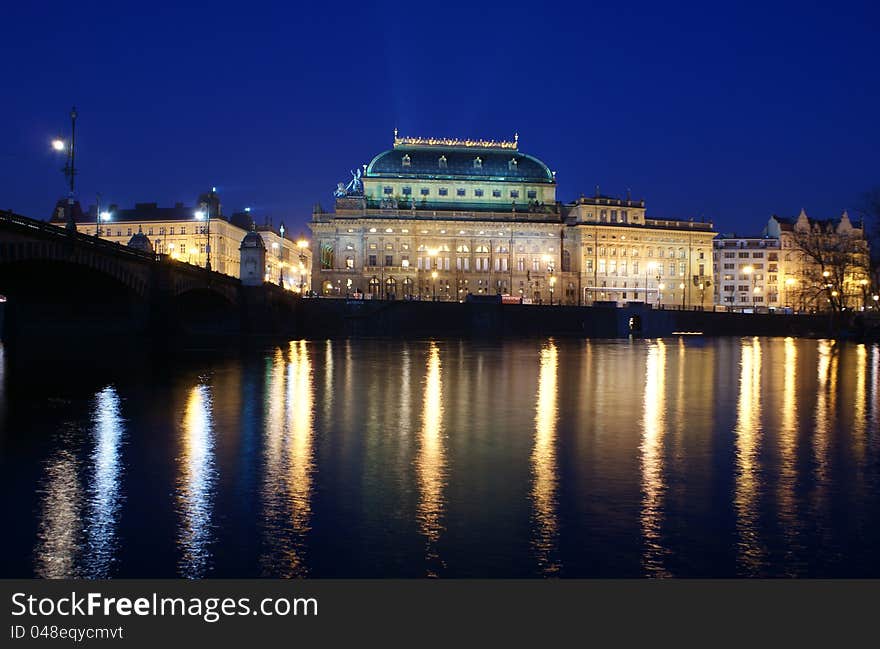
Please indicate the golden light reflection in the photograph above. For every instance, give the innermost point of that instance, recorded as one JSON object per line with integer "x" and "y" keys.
{"x": 289, "y": 464}
{"x": 826, "y": 405}
{"x": 195, "y": 485}
{"x": 750, "y": 552}
{"x": 788, "y": 440}
{"x": 60, "y": 531}
{"x": 104, "y": 490}
{"x": 651, "y": 450}
{"x": 431, "y": 462}
{"x": 860, "y": 403}
{"x": 544, "y": 464}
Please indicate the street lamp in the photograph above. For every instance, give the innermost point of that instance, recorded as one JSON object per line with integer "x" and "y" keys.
{"x": 432, "y": 255}
{"x": 302, "y": 244}
{"x": 69, "y": 168}
{"x": 552, "y": 285}
{"x": 789, "y": 282}
{"x": 681, "y": 287}
{"x": 204, "y": 214}
{"x": 660, "y": 288}
{"x": 434, "y": 277}
{"x": 749, "y": 272}
{"x": 875, "y": 298}
{"x": 103, "y": 217}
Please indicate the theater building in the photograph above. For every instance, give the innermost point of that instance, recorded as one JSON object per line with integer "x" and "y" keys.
{"x": 443, "y": 218}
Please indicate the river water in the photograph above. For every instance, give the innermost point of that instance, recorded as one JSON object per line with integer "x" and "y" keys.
{"x": 452, "y": 458}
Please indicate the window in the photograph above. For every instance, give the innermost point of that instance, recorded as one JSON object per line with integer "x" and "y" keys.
{"x": 757, "y": 255}
{"x": 514, "y": 193}
{"x": 532, "y": 194}
{"x": 512, "y": 165}
{"x": 389, "y": 260}
{"x": 442, "y": 162}
{"x": 405, "y": 161}
{"x": 443, "y": 191}
{"x": 743, "y": 255}
{"x": 635, "y": 268}
{"x": 387, "y": 190}
{"x": 373, "y": 246}
{"x": 407, "y": 191}
{"x": 349, "y": 262}
{"x": 536, "y": 264}
{"x": 424, "y": 191}
{"x": 496, "y": 193}
{"x": 459, "y": 192}
{"x": 601, "y": 265}
{"x": 478, "y": 192}
{"x": 371, "y": 260}
{"x": 129, "y": 232}
{"x": 478, "y": 163}
{"x": 389, "y": 246}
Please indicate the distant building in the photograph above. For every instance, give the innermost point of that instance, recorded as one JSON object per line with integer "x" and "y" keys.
{"x": 178, "y": 232}
{"x": 801, "y": 263}
{"x": 447, "y": 218}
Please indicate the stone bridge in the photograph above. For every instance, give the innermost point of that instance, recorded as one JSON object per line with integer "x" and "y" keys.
{"x": 61, "y": 283}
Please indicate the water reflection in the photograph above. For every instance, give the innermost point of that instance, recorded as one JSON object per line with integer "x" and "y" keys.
{"x": 195, "y": 485}
{"x": 651, "y": 449}
{"x": 60, "y": 531}
{"x": 289, "y": 463}
{"x": 544, "y": 464}
{"x": 826, "y": 406}
{"x": 104, "y": 491}
{"x": 431, "y": 463}
{"x": 750, "y": 552}
{"x": 788, "y": 443}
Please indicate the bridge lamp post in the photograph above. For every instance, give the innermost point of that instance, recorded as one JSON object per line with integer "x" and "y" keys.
{"x": 204, "y": 214}
{"x": 432, "y": 263}
{"x": 552, "y": 286}
{"x": 681, "y": 288}
{"x": 660, "y": 288}
{"x": 103, "y": 217}
{"x": 434, "y": 277}
{"x": 876, "y": 299}
{"x": 302, "y": 244}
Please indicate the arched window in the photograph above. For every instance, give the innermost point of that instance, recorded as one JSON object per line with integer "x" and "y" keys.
{"x": 374, "y": 286}
{"x": 566, "y": 261}
{"x": 478, "y": 163}
{"x": 482, "y": 249}
{"x": 462, "y": 248}
{"x": 405, "y": 161}
{"x": 442, "y": 162}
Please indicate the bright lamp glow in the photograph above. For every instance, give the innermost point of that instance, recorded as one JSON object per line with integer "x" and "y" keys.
{"x": 200, "y": 215}
{"x": 104, "y": 216}
{"x": 58, "y": 145}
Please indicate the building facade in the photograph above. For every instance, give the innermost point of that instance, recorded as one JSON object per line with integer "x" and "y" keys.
{"x": 441, "y": 218}
{"x": 185, "y": 233}
{"x": 798, "y": 264}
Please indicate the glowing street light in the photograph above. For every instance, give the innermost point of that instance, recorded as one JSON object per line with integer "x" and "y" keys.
{"x": 204, "y": 214}
{"x": 552, "y": 285}
{"x": 59, "y": 145}
{"x": 302, "y": 244}
{"x": 660, "y": 287}
{"x": 681, "y": 287}
{"x": 434, "y": 277}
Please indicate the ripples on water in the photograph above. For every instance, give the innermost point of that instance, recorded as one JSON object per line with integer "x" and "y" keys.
{"x": 726, "y": 457}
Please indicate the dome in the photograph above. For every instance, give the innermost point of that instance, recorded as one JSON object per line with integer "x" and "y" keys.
{"x": 462, "y": 161}
{"x": 140, "y": 242}
{"x": 252, "y": 240}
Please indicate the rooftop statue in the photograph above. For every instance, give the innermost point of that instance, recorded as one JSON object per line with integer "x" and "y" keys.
{"x": 355, "y": 187}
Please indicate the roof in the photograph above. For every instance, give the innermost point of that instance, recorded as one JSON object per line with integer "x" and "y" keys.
{"x": 459, "y": 162}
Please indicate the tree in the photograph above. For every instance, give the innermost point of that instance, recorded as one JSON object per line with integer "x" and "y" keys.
{"x": 834, "y": 262}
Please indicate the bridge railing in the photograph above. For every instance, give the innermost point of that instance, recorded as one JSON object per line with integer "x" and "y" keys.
{"x": 54, "y": 231}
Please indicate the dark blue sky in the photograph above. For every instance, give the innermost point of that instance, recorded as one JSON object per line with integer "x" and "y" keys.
{"x": 727, "y": 112}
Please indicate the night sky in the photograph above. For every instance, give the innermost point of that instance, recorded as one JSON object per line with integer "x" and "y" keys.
{"x": 722, "y": 112}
